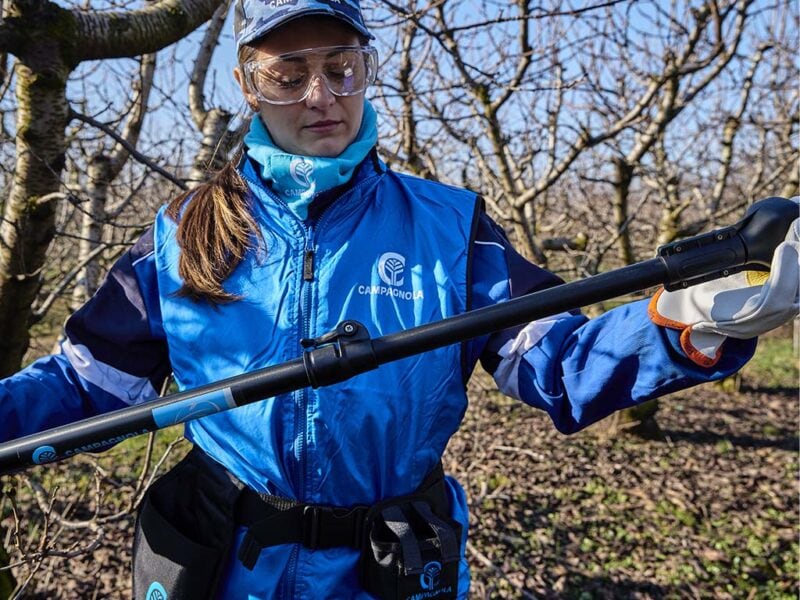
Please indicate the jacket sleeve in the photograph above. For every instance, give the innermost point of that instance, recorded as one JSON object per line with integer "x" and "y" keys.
{"x": 114, "y": 354}
{"x": 579, "y": 370}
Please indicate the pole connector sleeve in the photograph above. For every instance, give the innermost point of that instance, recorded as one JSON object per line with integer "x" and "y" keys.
{"x": 339, "y": 354}
{"x": 697, "y": 259}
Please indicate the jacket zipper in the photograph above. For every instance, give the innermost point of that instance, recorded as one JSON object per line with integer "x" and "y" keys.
{"x": 301, "y": 407}
{"x": 301, "y": 417}
{"x": 301, "y": 402}
{"x": 301, "y": 397}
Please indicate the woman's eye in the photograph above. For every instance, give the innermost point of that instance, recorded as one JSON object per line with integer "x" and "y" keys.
{"x": 282, "y": 80}
{"x": 289, "y": 83}
{"x": 338, "y": 73}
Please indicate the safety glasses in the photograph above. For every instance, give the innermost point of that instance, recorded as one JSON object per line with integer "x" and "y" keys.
{"x": 288, "y": 78}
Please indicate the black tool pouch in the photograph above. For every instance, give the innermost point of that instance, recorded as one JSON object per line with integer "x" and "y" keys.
{"x": 184, "y": 531}
{"x": 410, "y": 552}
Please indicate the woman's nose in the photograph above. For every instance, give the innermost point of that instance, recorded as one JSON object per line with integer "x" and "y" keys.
{"x": 319, "y": 95}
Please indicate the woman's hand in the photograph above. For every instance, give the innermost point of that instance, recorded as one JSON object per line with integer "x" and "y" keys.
{"x": 744, "y": 305}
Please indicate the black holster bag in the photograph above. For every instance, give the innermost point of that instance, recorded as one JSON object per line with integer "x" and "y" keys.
{"x": 409, "y": 551}
{"x": 184, "y": 531}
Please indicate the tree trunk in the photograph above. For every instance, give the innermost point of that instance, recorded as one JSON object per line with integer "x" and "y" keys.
{"x": 92, "y": 218}
{"x": 638, "y": 420}
{"x": 29, "y": 216}
{"x": 624, "y": 173}
{"x": 525, "y": 239}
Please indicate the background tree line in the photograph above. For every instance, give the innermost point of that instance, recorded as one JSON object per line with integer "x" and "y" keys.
{"x": 595, "y": 131}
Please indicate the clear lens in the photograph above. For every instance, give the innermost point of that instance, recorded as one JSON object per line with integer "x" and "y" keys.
{"x": 287, "y": 79}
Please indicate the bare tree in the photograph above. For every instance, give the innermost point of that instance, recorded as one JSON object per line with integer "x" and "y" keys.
{"x": 49, "y": 41}
{"x": 517, "y": 101}
{"x": 503, "y": 100}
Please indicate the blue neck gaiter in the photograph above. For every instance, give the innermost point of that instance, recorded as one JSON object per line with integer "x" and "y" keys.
{"x": 296, "y": 178}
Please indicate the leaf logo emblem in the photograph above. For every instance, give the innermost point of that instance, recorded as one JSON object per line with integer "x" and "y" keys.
{"x": 429, "y": 578}
{"x": 302, "y": 171}
{"x": 44, "y": 454}
{"x": 391, "y": 267}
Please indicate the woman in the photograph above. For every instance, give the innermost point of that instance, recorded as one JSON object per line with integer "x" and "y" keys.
{"x": 335, "y": 492}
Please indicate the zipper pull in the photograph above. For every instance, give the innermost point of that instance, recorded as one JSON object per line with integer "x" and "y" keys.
{"x": 308, "y": 265}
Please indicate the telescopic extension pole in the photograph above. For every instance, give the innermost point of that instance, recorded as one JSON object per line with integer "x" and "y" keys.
{"x": 348, "y": 350}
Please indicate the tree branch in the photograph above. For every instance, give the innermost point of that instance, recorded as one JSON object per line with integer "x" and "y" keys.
{"x": 134, "y": 153}
{"x": 136, "y": 113}
{"x": 116, "y": 34}
{"x": 197, "y": 104}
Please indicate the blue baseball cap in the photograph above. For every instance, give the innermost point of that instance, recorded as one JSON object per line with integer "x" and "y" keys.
{"x": 255, "y": 18}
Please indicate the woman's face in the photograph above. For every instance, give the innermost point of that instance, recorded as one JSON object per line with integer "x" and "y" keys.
{"x": 322, "y": 124}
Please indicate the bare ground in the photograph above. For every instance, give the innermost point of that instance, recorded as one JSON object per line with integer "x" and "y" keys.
{"x": 709, "y": 512}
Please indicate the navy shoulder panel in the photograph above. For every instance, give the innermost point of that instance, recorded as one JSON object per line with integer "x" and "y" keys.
{"x": 121, "y": 323}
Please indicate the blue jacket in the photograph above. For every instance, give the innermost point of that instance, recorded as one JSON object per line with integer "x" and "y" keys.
{"x": 393, "y": 252}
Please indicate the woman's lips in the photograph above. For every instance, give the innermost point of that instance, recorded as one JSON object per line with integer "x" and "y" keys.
{"x": 323, "y": 126}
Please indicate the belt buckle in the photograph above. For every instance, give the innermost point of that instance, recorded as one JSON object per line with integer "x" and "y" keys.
{"x": 311, "y": 526}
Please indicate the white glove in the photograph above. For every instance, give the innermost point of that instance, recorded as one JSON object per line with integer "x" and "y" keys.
{"x": 744, "y": 305}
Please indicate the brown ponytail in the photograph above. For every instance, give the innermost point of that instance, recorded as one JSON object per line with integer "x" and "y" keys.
{"x": 215, "y": 231}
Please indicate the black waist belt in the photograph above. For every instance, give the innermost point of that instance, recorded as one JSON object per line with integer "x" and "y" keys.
{"x": 272, "y": 520}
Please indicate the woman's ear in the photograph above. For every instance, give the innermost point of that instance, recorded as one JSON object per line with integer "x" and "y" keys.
{"x": 249, "y": 97}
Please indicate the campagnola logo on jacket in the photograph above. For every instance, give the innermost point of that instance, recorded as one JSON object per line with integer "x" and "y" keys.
{"x": 391, "y": 268}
